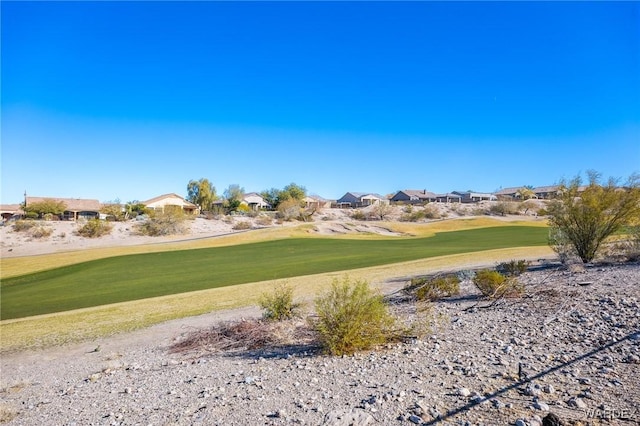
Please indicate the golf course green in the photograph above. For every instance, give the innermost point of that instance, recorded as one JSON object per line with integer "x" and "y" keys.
{"x": 134, "y": 277}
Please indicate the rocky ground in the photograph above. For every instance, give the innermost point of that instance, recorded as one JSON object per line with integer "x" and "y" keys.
{"x": 570, "y": 346}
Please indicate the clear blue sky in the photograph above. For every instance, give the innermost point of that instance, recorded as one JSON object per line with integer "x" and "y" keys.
{"x": 131, "y": 100}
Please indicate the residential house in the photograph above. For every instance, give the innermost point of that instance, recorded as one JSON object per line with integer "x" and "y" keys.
{"x": 315, "y": 202}
{"x": 75, "y": 208}
{"x": 255, "y": 201}
{"x": 475, "y": 197}
{"x": 448, "y": 198}
{"x": 360, "y": 199}
{"x": 509, "y": 193}
{"x": 10, "y": 210}
{"x": 413, "y": 196}
{"x": 172, "y": 200}
{"x": 547, "y": 192}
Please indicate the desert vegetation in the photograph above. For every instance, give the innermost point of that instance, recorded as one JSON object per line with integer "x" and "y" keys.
{"x": 583, "y": 218}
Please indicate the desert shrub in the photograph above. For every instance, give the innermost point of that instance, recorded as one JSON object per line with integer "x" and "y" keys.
{"x": 23, "y": 225}
{"x": 411, "y": 215}
{"x": 41, "y": 232}
{"x": 358, "y": 215}
{"x": 278, "y": 304}
{"x": 431, "y": 212}
{"x": 494, "y": 285}
{"x": 241, "y": 225}
{"x": 289, "y": 210}
{"x": 352, "y": 317}
{"x": 503, "y": 208}
{"x": 586, "y": 216}
{"x": 95, "y": 228}
{"x": 435, "y": 288}
{"x": 513, "y": 267}
{"x": 542, "y": 212}
{"x": 560, "y": 244}
{"x": 167, "y": 223}
{"x": 264, "y": 220}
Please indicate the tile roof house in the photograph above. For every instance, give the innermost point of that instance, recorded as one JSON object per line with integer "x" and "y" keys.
{"x": 474, "y": 197}
{"x": 160, "y": 202}
{"x": 255, "y": 201}
{"x": 413, "y": 196}
{"x": 547, "y": 192}
{"x": 513, "y": 192}
{"x": 75, "y": 208}
{"x": 9, "y": 210}
{"x": 448, "y": 198}
{"x": 316, "y": 202}
{"x": 360, "y": 199}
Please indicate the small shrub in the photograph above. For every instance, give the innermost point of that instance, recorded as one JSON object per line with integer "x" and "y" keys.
{"x": 242, "y": 225}
{"x": 278, "y": 305}
{"x": 264, "y": 220}
{"x": 41, "y": 232}
{"x": 169, "y": 223}
{"x": 436, "y": 288}
{"x": 352, "y": 317}
{"x": 513, "y": 268}
{"x": 431, "y": 212}
{"x": 412, "y": 216}
{"x": 358, "y": 215}
{"x": 95, "y": 228}
{"x": 23, "y": 225}
{"x": 494, "y": 285}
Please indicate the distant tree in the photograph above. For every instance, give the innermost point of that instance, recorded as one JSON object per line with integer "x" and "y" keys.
{"x": 233, "y": 196}
{"x": 270, "y": 196}
{"x": 526, "y": 193}
{"x": 584, "y": 219}
{"x": 276, "y": 196}
{"x": 45, "y": 207}
{"x": 382, "y": 210}
{"x": 293, "y": 192}
{"x": 201, "y": 193}
{"x": 114, "y": 210}
{"x": 134, "y": 208}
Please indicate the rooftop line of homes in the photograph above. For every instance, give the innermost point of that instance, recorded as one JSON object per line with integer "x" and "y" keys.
{"x": 89, "y": 208}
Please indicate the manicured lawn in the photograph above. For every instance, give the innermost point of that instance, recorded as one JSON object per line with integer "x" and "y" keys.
{"x": 134, "y": 277}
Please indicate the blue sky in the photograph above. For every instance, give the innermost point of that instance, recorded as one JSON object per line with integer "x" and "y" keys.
{"x": 130, "y": 100}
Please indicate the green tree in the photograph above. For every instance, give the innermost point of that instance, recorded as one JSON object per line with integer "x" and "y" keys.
{"x": 585, "y": 216}
{"x": 293, "y": 192}
{"x": 45, "y": 207}
{"x": 233, "y": 196}
{"x": 201, "y": 193}
{"x": 275, "y": 196}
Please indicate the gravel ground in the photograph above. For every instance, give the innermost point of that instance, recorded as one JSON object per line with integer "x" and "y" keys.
{"x": 570, "y": 347}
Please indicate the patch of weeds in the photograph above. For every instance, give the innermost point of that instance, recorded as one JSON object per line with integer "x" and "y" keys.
{"x": 95, "y": 228}
{"x": 278, "y": 305}
{"x": 169, "y": 223}
{"x": 494, "y": 285}
{"x": 513, "y": 268}
{"x": 435, "y": 288}
{"x": 241, "y": 225}
{"x": 23, "y": 225}
{"x": 41, "y": 232}
{"x": 7, "y": 413}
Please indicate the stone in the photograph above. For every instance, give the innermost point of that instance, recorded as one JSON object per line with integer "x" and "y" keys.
{"x": 577, "y": 403}
{"x": 552, "y": 420}
{"x": 541, "y": 406}
{"x": 464, "y": 392}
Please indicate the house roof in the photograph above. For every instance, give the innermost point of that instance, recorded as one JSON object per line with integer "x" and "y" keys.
{"x": 551, "y": 188}
{"x": 71, "y": 204}
{"x": 419, "y": 193}
{"x": 170, "y": 195}
{"x": 509, "y": 191}
{"x": 10, "y": 208}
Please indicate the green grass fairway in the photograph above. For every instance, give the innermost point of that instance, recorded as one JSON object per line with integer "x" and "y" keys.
{"x": 134, "y": 277}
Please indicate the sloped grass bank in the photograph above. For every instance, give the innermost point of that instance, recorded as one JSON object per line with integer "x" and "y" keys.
{"x": 135, "y": 277}
{"x": 87, "y": 324}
